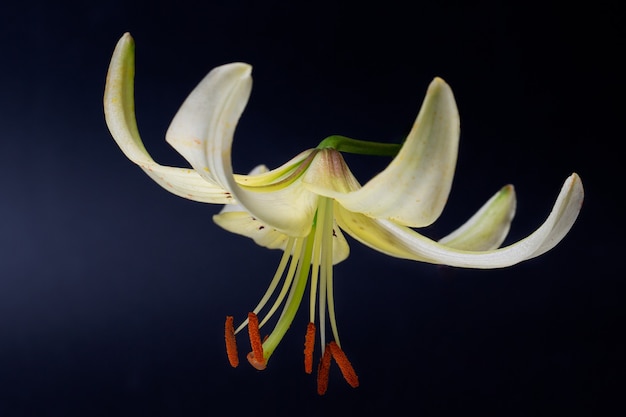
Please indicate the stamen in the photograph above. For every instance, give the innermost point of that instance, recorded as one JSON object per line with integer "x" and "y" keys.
{"x": 323, "y": 370}
{"x": 291, "y": 272}
{"x": 298, "y": 287}
{"x": 231, "y": 343}
{"x": 255, "y": 357}
{"x": 273, "y": 284}
{"x": 344, "y": 365}
{"x": 309, "y": 342}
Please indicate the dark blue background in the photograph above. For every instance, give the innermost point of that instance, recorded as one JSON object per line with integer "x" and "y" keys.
{"x": 113, "y": 292}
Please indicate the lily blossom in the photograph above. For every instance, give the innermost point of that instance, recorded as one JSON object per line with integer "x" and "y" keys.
{"x": 304, "y": 206}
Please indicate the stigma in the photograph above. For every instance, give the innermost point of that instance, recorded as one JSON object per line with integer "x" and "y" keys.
{"x": 306, "y": 261}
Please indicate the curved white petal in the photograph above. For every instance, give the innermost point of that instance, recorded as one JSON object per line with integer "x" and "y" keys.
{"x": 119, "y": 111}
{"x": 414, "y": 188}
{"x": 202, "y": 131}
{"x": 186, "y": 183}
{"x": 488, "y": 227}
{"x": 243, "y": 223}
{"x": 403, "y": 242}
{"x": 341, "y": 249}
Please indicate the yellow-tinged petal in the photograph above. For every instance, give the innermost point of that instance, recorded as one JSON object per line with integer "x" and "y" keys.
{"x": 414, "y": 188}
{"x": 119, "y": 110}
{"x": 403, "y": 242}
{"x": 341, "y": 249}
{"x": 243, "y": 223}
{"x": 202, "y": 131}
{"x": 263, "y": 178}
{"x": 488, "y": 227}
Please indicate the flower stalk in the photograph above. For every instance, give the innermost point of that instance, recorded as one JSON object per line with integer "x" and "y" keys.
{"x": 361, "y": 147}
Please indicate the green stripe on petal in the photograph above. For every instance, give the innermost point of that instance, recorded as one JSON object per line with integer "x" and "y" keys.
{"x": 414, "y": 187}
{"x": 488, "y": 227}
{"x": 266, "y": 177}
{"x": 202, "y": 131}
{"x": 119, "y": 101}
{"x": 119, "y": 110}
{"x": 403, "y": 242}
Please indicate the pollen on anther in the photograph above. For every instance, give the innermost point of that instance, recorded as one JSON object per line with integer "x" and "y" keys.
{"x": 323, "y": 371}
{"x": 309, "y": 343}
{"x": 255, "y": 357}
{"x": 344, "y": 365}
{"x": 231, "y": 343}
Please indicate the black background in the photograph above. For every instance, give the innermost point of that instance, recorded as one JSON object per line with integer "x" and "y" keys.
{"x": 113, "y": 292}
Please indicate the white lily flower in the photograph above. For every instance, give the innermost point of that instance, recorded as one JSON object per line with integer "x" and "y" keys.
{"x": 302, "y": 206}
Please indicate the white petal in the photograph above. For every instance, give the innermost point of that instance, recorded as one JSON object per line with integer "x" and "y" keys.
{"x": 243, "y": 223}
{"x": 488, "y": 227}
{"x": 119, "y": 110}
{"x": 202, "y": 131}
{"x": 414, "y": 188}
{"x": 341, "y": 249}
{"x": 187, "y": 183}
{"x": 209, "y": 116}
{"x": 403, "y": 242}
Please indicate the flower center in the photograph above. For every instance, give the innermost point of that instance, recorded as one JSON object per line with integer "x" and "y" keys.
{"x": 303, "y": 257}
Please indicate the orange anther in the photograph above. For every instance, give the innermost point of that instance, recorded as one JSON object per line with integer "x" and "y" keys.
{"x": 255, "y": 357}
{"x": 259, "y": 365}
{"x": 344, "y": 365}
{"x": 309, "y": 342}
{"x": 231, "y": 343}
{"x": 323, "y": 372}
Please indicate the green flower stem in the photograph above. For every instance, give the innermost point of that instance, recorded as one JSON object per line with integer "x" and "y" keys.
{"x": 361, "y": 147}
